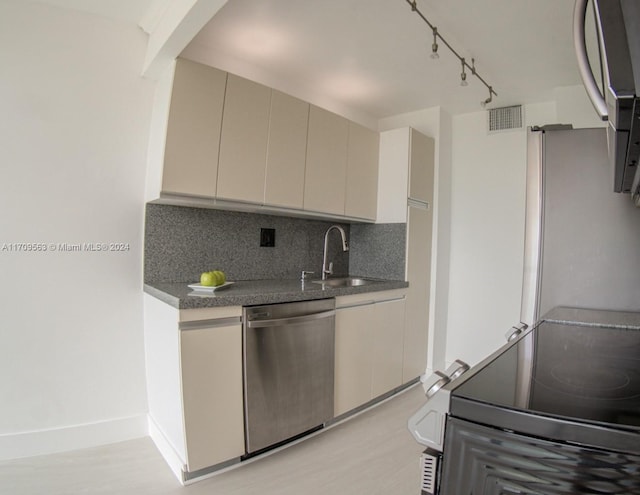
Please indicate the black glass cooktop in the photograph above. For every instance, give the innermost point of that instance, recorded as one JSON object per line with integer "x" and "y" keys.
{"x": 582, "y": 372}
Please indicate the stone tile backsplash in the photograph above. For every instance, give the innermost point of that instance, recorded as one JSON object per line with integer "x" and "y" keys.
{"x": 378, "y": 250}
{"x": 182, "y": 242}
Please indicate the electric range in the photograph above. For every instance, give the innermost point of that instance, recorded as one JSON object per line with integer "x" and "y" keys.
{"x": 556, "y": 411}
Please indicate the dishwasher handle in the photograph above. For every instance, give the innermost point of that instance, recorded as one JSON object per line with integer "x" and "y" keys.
{"x": 290, "y": 320}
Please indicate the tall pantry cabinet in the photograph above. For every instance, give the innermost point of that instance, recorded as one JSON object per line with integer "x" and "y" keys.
{"x": 418, "y": 257}
{"x": 406, "y": 194}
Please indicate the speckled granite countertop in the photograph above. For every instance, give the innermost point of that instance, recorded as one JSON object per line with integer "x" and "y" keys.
{"x": 253, "y": 292}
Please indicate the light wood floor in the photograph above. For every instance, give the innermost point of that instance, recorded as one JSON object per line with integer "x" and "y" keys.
{"x": 372, "y": 453}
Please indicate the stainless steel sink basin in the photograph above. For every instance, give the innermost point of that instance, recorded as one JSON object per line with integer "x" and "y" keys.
{"x": 344, "y": 282}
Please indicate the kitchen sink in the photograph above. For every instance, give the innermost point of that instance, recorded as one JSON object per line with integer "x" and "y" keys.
{"x": 345, "y": 282}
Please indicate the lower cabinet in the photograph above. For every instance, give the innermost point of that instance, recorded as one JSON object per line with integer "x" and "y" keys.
{"x": 419, "y": 227}
{"x": 194, "y": 384}
{"x": 387, "y": 350}
{"x": 369, "y": 347}
{"x": 354, "y": 356}
{"x": 212, "y": 394}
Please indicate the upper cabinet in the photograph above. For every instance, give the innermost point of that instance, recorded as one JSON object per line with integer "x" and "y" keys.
{"x": 342, "y": 166}
{"x": 243, "y": 141}
{"x": 405, "y": 171}
{"x": 326, "y": 172}
{"x": 422, "y": 149}
{"x": 193, "y": 130}
{"x": 393, "y": 174}
{"x": 256, "y": 148}
{"x": 362, "y": 172}
{"x": 286, "y": 151}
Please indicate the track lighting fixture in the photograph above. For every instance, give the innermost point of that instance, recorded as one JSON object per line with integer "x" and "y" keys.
{"x": 465, "y": 65}
{"x": 434, "y": 46}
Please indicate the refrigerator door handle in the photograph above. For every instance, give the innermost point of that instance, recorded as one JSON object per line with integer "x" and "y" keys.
{"x": 533, "y": 228}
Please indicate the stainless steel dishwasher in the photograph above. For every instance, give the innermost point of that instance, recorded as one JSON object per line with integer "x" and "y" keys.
{"x": 288, "y": 370}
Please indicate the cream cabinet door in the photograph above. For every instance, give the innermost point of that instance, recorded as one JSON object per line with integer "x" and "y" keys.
{"x": 361, "y": 198}
{"x": 286, "y": 151}
{"x": 193, "y": 130}
{"x": 388, "y": 346}
{"x": 211, "y": 367}
{"x": 421, "y": 167}
{"x": 393, "y": 176}
{"x": 243, "y": 141}
{"x": 419, "y": 225}
{"x": 326, "y": 170}
{"x": 353, "y": 357}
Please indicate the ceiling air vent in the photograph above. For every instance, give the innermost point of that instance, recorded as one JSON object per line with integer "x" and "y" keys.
{"x": 505, "y": 118}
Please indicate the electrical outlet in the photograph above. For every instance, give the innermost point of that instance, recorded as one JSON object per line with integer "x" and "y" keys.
{"x": 267, "y": 237}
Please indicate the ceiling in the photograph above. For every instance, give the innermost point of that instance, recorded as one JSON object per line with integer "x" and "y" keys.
{"x": 372, "y": 56}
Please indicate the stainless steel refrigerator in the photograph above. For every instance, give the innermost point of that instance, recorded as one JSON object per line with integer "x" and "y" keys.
{"x": 582, "y": 241}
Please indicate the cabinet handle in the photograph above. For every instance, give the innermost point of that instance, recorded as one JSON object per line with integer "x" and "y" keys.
{"x": 356, "y": 305}
{"x": 370, "y": 302}
{"x": 400, "y": 298}
{"x": 213, "y": 323}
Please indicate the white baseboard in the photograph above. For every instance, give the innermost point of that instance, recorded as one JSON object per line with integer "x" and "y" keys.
{"x": 42, "y": 442}
{"x": 167, "y": 450}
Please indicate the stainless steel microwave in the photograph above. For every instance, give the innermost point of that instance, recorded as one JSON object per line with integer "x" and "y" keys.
{"x": 611, "y": 77}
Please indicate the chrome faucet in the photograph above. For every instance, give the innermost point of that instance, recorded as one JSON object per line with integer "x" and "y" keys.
{"x": 345, "y": 247}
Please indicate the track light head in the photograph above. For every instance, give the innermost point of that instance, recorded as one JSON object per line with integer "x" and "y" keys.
{"x": 434, "y": 46}
{"x": 488, "y": 100}
{"x": 463, "y": 75}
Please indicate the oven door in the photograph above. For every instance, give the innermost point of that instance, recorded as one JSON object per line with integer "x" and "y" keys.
{"x": 490, "y": 461}
{"x": 427, "y": 425}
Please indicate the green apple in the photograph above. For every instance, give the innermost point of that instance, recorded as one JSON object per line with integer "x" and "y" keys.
{"x": 208, "y": 279}
{"x": 216, "y": 277}
{"x": 221, "y": 277}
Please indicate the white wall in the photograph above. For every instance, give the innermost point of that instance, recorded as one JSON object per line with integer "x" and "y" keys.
{"x": 74, "y": 118}
{"x": 487, "y": 223}
{"x": 480, "y": 198}
{"x": 574, "y": 107}
{"x": 487, "y": 237}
